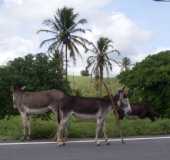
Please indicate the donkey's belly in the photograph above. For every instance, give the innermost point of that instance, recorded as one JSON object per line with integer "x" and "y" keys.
{"x": 36, "y": 111}
{"x": 84, "y": 116}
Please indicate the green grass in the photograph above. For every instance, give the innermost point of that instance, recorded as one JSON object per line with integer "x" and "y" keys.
{"x": 11, "y": 128}
{"x": 86, "y": 85}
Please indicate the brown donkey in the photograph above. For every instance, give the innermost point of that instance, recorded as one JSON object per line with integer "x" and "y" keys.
{"x": 90, "y": 108}
{"x": 140, "y": 110}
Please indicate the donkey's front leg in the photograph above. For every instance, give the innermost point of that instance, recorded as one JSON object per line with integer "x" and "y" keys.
{"x": 25, "y": 125}
{"x": 29, "y": 127}
{"x": 98, "y": 128}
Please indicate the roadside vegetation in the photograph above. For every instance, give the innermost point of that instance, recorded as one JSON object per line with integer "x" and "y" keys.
{"x": 149, "y": 81}
{"x": 11, "y": 129}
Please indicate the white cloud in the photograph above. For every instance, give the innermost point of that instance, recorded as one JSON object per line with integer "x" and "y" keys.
{"x": 13, "y": 47}
{"x": 20, "y": 19}
{"x": 127, "y": 36}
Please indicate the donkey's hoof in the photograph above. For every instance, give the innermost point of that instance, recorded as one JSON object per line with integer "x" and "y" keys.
{"x": 23, "y": 138}
{"x": 64, "y": 143}
{"x": 98, "y": 144}
{"x": 107, "y": 143}
{"x": 123, "y": 142}
{"x": 61, "y": 144}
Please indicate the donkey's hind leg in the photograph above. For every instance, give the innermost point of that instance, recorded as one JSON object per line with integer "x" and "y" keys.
{"x": 62, "y": 125}
{"x": 56, "y": 120}
{"x": 104, "y": 132}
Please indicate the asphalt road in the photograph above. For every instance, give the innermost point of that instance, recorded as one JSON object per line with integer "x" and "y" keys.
{"x": 147, "y": 149}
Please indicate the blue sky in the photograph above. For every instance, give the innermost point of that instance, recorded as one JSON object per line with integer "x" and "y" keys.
{"x": 137, "y": 27}
{"x": 150, "y": 15}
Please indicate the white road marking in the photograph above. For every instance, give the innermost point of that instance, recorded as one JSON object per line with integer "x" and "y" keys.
{"x": 88, "y": 141}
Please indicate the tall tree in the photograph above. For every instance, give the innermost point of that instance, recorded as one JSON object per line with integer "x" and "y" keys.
{"x": 102, "y": 58}
{"x": 65, "y": 28}
{"x": 125, "y": 64}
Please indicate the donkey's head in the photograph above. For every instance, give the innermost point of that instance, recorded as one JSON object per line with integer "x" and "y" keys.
{"x": 16, "y": 94}
{"x": 122, "y": 101}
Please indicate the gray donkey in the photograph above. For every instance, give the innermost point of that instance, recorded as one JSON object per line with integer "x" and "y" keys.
{"x": 29, "y": 103}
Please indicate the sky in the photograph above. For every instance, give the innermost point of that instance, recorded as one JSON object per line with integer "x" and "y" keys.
{"x": 138, "y": 28}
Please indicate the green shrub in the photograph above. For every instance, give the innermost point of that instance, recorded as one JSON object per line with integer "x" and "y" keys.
{"x": 149, "y": 81}
{"x": 36, "y": 72}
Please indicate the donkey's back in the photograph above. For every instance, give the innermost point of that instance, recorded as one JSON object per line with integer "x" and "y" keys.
{"x": 41, "y": 98}
{"x": 84, "y": 104}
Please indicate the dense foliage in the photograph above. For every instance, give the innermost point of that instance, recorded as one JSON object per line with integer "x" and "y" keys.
{"x": 35, "y": 72}
{"x": 149, "y": 81}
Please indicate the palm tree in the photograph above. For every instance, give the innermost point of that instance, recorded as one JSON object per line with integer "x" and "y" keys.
{"x": 64, "y": 28}
{"x": 101, "y": 59}
{"x": 125, "y": 64}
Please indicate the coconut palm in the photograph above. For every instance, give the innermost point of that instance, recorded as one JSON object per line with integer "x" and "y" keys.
{"x": 64, "y": 28}
{"x": 102, "y": 58}
{"x": 126, "y": 63}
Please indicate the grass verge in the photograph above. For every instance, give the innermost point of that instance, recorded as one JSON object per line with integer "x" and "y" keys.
{"x": 11, "y": 129}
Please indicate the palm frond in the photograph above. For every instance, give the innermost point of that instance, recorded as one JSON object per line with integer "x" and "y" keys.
{"x": 82, "y": 39}
{"x": 47, "y": 41}
{"x": 82, "y": 21}
{"x": 52, "y": 24}
{"x": 78, "y": 30}
{"x": 46, "y": 31}
{"x": 55, "y": 45}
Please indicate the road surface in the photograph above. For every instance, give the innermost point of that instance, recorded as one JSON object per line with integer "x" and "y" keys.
{"x": 135, "y": 149}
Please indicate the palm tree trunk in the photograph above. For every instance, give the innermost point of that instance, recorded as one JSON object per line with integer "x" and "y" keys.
{"x": 66, "y": 62}
{"x": 62, "y": 64}
{"x": 61, "y": 61}
{"x": 101, "y": 80}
